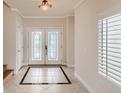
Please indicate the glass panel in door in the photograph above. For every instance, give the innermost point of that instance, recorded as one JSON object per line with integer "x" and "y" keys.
{"x": 53, "y": 47}
{"x": 36, "y": 47}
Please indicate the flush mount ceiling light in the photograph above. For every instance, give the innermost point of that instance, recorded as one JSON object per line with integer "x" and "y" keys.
{"x": 45, "y": 5}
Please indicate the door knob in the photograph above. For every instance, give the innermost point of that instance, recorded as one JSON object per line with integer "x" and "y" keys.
{"x": 19, "y": 51}
{"x": 46, "y": 49}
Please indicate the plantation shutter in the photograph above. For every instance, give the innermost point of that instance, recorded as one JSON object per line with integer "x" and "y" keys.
{"x": 110, "y": 47}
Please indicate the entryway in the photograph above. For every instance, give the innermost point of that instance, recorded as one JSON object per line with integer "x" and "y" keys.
{"x": 44, "y": 75}
{"x": 45, "y": 46}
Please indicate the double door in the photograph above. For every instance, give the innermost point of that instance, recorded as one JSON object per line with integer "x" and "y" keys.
{"x": 45, "y": 46}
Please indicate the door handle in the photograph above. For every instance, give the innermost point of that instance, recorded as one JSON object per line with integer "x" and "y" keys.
{"x": 46, "y": 49}
{"x": 19, "y": 51}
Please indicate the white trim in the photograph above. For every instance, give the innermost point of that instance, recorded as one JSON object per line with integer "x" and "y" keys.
{"x": 49, "y": 16}
{"x": 68, "y": 15}
{"x": 72, "y": 66}
{"x": 79, "y": 3}
{"x": 84, "y": 83}
{"x": 17, "y": 10}
{"x": 43, "y": 16}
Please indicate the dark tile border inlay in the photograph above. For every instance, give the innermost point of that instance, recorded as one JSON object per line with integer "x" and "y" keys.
{"x": 21, "y": 83}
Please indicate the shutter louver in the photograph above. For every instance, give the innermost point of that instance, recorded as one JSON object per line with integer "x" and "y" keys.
{"x": 110, "y": 47}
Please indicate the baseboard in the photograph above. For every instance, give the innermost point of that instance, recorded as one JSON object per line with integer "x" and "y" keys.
{"x": 70, "y": 66}
{"x": 84, "y": 83}
{"x": 45, "y": 65}
{"x": 22, "y": 67}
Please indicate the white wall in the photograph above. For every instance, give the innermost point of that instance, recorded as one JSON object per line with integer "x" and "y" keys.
{"x": 6, "y": 17}
{"x": 9, "y": 36}
{"x": 86, "y": 49}
{"x": 70, "y": 40}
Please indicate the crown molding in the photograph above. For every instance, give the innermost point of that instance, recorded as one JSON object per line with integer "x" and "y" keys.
{"x": 48, "y": 16}
{"x": 17, "y": 10}
{"x": 43, "y": 17}
{"x": 79, "y": 3}
{"x": 69, "y": 15}
{"x": 5, "y": 3}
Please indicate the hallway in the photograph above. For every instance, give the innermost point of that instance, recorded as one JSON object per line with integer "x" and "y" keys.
{"x": 12, "y": 84}
{"x": 62, "y": 46}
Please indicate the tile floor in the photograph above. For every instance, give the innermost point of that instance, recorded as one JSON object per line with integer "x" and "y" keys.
{"x": 45, "y": 74}
{"x": 11, "y": 84}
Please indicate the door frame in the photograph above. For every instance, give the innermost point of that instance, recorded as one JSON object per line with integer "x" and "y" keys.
{"x": 28, "y": 44}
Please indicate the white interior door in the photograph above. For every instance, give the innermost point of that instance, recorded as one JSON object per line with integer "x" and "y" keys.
{"x": 19, "y": 50}
{"x": 45, "y": 46}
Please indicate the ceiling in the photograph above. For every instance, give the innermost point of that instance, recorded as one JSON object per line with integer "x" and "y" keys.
{"x": 29, "y": 8}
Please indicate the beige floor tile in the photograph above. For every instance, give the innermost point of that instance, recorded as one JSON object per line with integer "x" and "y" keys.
{"x": 12, "y": 85}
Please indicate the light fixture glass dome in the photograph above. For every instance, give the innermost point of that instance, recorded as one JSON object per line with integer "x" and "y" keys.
{"x": 45, "y": 5}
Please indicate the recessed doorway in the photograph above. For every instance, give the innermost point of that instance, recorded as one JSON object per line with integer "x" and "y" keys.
{"x": 45, "y": 46}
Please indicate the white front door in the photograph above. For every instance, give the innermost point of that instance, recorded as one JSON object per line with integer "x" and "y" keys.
{"x": 45, "y": 46}
{"x": 53, "y": 45}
